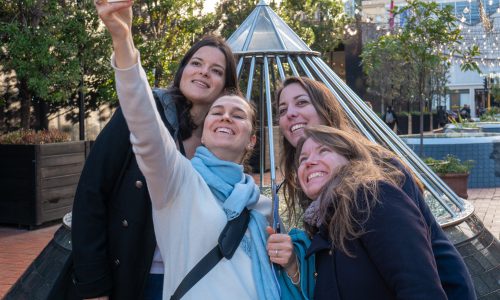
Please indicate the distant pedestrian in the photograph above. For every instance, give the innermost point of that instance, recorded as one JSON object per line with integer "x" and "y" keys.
{"x": 465, "y": 112}
{"x": 390, "y": 117}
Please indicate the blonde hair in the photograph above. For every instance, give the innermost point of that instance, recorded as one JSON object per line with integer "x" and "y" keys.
{"x": 347, "y": 199}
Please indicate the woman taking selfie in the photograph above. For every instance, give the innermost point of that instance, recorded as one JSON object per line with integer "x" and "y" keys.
{"x": 193, "y": 200}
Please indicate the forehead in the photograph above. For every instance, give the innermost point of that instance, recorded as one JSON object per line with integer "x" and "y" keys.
{"x": 291, "y": 91}
{"x": 211, "y": 54}
{"x": 309, "y": 144}
{"x": 230, "y": 102}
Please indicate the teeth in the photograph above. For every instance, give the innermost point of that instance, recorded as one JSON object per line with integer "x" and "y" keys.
{"x": 200, "y": 83}
{"x": 224, "y": 130}
{"x": 315, "y": 174}
{"x": 297, "y": 127}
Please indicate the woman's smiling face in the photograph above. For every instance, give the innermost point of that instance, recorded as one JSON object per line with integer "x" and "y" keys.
{"x": 227, "y": 131}
{"x": 296, "y": 111}
{"x": 318, "y": 165}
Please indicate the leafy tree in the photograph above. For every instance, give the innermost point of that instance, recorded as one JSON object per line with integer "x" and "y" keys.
{"x": 425, "y": 43}
{"x": 59, "y": 48}
{"x": 322, "y": 24}
{"x": 163, "y": 32}
{"x": 46, "y": 44}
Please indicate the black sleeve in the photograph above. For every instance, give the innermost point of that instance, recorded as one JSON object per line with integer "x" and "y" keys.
{"x": 453, "y": 273}
{"x": 90, "y": 209}
{"x": 398, "y": 242}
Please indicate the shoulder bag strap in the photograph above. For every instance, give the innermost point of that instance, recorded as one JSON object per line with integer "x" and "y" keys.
{"x": 229, "y": 240}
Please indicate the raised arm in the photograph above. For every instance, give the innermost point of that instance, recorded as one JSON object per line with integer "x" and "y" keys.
{"x": 155, "y": 149}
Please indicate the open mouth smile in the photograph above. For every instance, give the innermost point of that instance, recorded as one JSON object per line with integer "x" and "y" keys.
{"x": 201, "y": 84}
{"x": 314, "y": 175}
{"x": 224, "y": 130}
{"x": 297, "y": 127}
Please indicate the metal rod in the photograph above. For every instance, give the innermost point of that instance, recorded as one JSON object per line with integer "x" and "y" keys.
{"x": 239, "y": 67}
{"x": 292, "y": 66}
{"x": 250, "y": 79}
{"x": 280, "y": 68}
{"x": 271, "y": 146}
{"x": 304, "y": 67}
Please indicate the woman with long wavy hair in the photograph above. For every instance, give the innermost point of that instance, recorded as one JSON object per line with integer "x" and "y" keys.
{"x": 369, "y": 239}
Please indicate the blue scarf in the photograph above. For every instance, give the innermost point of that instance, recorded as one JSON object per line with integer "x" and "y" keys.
{"x": 236, "y": 190}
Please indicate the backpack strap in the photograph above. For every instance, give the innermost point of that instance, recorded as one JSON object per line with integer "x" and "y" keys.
{"x": 229, "y": 240}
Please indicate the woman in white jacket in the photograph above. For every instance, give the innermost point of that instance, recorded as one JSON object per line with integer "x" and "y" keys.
{"x": 193, "y": 200}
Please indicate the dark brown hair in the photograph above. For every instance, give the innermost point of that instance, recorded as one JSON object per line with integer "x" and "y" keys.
{"x": 183, "y": 105}
{"x": 347, "y": 199}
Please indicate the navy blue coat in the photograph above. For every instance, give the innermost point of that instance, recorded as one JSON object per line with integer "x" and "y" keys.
{"x": 393, "y": 259}
{"x": 453, "y": 272}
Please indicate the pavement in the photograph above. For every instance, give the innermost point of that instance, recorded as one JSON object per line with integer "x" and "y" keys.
{"x": 19, "y": 247}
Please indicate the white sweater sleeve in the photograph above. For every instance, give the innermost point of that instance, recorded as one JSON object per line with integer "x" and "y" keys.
{"x": 156, "y": 152}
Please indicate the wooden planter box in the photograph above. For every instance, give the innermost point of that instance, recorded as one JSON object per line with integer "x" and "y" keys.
{"x": 38, "y": 182}
{"x": 457, "y": 182}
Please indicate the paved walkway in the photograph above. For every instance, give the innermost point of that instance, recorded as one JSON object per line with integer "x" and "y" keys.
{"x": 19, "y": 247}
{"x": 487, "y": 208}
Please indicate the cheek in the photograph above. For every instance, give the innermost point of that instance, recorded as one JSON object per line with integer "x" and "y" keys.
{"x": 299, "y": 176}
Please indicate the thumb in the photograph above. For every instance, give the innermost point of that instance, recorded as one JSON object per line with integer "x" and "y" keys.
{"x": 269, "y": 230}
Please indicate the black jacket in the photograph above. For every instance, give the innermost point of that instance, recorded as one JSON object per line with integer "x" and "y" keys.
{"x": 393, "y": 259}
{"x": 453, "y": 273}
{"x": 112, "y": 228}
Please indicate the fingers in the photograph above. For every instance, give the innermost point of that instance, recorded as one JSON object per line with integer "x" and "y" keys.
{"x": 269, "y": 230}
{"x": 279, "y": 248}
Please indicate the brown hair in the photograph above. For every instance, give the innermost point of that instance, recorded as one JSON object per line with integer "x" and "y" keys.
{"x": 183, "y": 105}
{"x": 347, "y": 199}
{"x": 333, "y": 115}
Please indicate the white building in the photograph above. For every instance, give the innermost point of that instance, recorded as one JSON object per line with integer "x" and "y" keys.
{"x": 465, "y": 87}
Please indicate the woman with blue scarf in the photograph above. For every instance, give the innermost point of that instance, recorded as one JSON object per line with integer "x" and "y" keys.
{"x": 194, "y": 199}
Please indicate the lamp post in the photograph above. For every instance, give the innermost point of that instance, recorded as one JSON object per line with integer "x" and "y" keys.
{"x": 81, "y": 95}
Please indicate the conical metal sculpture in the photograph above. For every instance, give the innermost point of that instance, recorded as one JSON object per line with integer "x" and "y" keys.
{"x": 265, "y": 45}
{"x": 268, "y": 50}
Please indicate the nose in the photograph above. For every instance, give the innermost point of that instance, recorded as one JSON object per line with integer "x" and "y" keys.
{"x": 291, "y": 112}
{"x": 226, "y": 117}
{"x": 311, "y": 161}
{"x": 204, "y": 71}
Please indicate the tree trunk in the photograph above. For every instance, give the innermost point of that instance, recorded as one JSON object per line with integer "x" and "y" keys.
{"x": 41, "y": 111}
{"x": 25, "y": 98}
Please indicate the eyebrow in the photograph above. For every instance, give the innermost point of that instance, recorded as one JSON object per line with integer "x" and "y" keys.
{"x": 295, "y": 98}
{"x": 232, "y": 109}
{"x": 216, "y": 64}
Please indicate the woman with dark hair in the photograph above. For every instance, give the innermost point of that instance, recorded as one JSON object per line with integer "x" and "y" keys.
{"x": 370, "y": 240}
{"x": 194, "y": 199}
{"x": 304, "y": 102}
{"x": 115, "y": 252}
